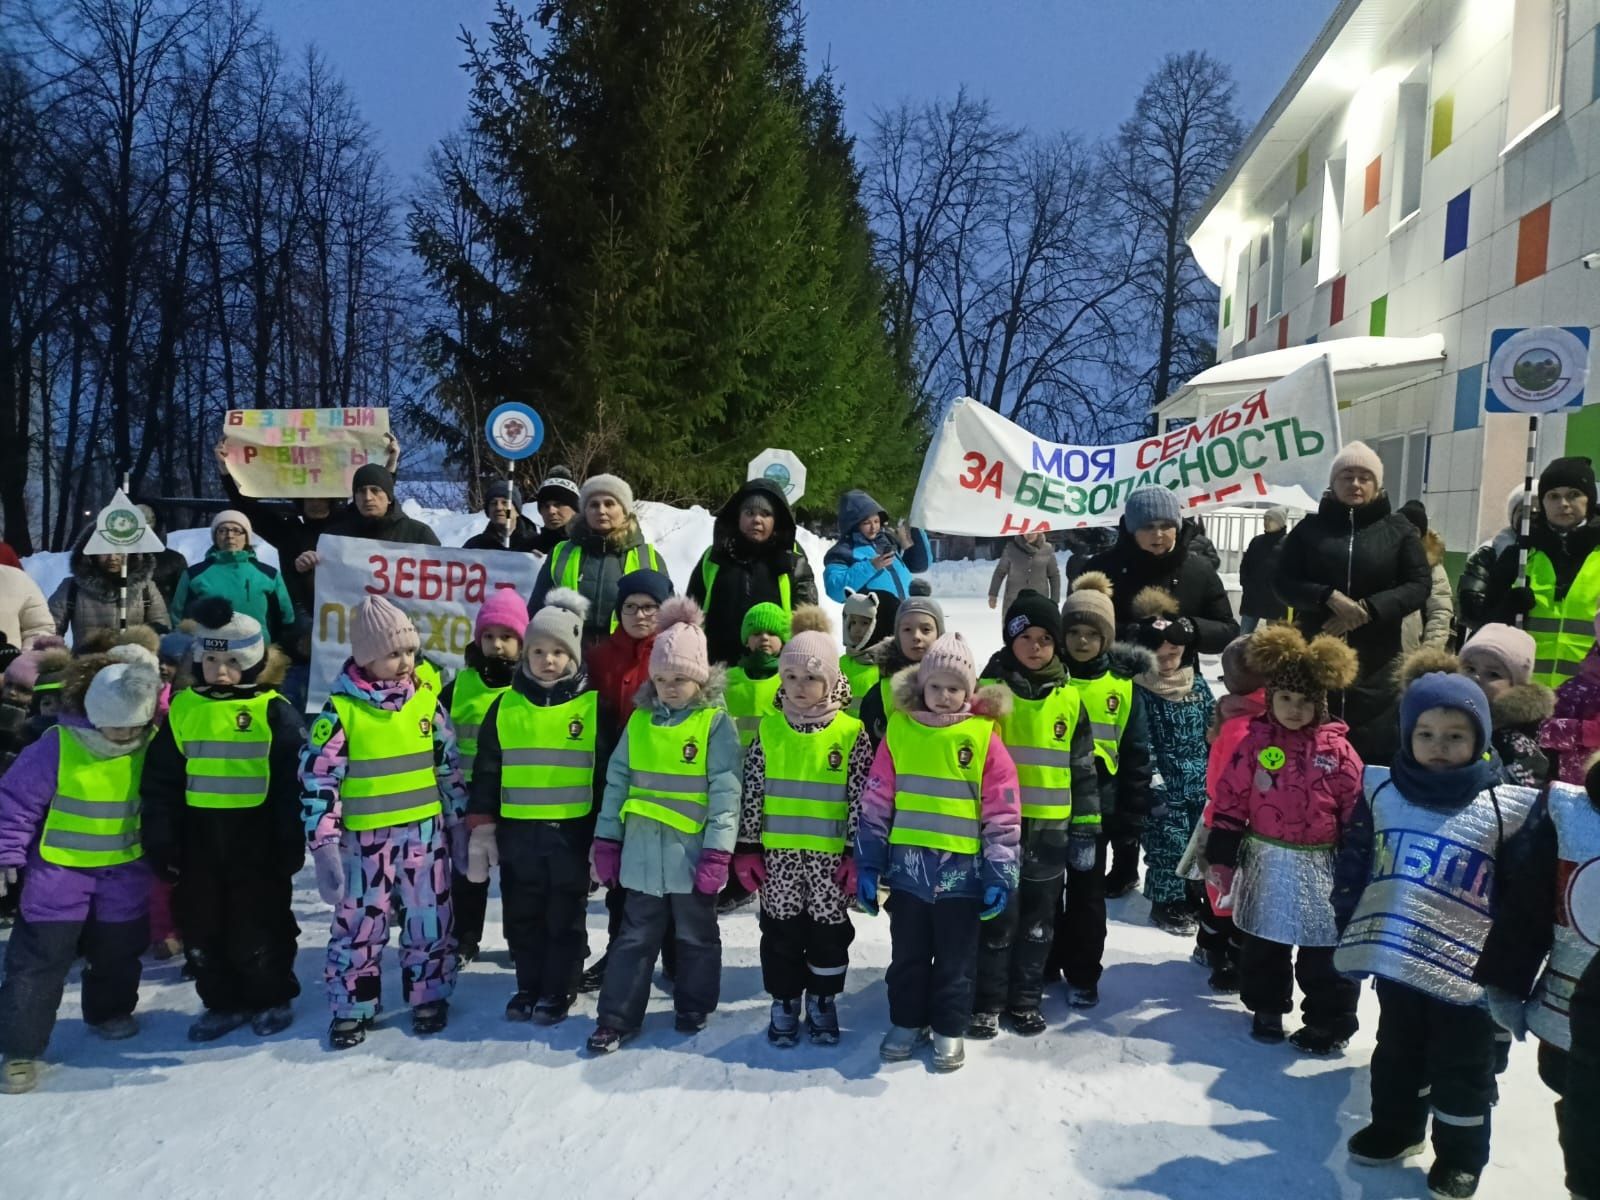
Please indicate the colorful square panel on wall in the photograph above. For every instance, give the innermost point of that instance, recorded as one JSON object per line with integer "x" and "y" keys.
{"x": 1537, "y": 370}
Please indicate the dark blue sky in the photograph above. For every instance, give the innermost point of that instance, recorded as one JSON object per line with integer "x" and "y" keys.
{"x": 1049, "y": 64}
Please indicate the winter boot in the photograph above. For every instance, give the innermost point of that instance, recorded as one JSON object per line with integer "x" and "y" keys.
{"x": 1028, "y": 1022}
{"x": 901, "y": 1042}
{"x": 1224, "y": 976}
{"x": 822, "y": 1020}
{"x": 213, "y": 1023}
{"x": 607, "y": 1038}
{"x": 431, "y": 1017}
{"x": 466, "y": 952}
{"x": 1451, "y": 1183}
{"x": 552, "y": 1010}
{"x": 272, "y": 1020}
{"x": 1123, "y": 876}
{"x": 116, "y": 1029}
{"x": 1082, "y": 997}
{"x": 984, "y": 1026}
{"x": 520, "y": 1007}
{"x": 593, "y": 976}
{"x": 949, "y": 1053}
{"x": 689, "y": 1022}
{"x": 783, "y": 1027}
{"x": 18, "y": 1075}
{"x": 1376, "y": 1147}
{"x": 1315, "y": 1039}
{"x": 1268, "y": 1028}
{"x": 1173, "y": 918}
{"x": 346, "y": 1032}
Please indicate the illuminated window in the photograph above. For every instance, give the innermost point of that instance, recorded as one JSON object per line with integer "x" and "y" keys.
{"x": 1332, "y": 218}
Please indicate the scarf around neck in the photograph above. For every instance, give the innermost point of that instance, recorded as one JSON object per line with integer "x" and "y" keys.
{"x": 1176, "y": 686}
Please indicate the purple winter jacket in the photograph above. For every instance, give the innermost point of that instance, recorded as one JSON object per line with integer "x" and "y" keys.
{"x": 51, "y": 892}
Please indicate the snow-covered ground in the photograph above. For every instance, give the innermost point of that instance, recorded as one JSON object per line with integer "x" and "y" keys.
{"x": 1157, "y": 1093}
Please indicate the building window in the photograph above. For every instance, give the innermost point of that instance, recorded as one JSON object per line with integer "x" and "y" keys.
{"x": 1410, "y": 131}
{"x": 1538, "y": 65}
{"x": 1405, "y": 461}
{"x": 1332, "y": 219}
{"x": 1280, "y": 253}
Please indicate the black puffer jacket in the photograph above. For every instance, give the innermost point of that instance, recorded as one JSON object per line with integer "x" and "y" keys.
{"x": 393, "y": 526}
{"x": 1185, "y": 573}
{"x": 1472, "y": 592}
{"x": 748, "y": 573}
{"x": 1258, "y": 597}
{"x": 1567, "y": 550}
{"x": 1374, "y": 555}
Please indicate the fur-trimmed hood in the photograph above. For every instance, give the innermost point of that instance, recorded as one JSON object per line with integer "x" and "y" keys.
{"x": 992, "y": 700}
{"x": 1130, "y": 661}
{"x": 716, "y": 687}
{"x": 1525, "y": 704}
{"x": 1433, "y": 547}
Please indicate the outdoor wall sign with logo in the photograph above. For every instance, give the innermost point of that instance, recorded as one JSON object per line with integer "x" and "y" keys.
{"x": 514, "y": 430}
{"x": 782, "y": 467}
{"x": 120, "y": 528}
{"x": 1539, "y": 370}
{"x": 301, "y": 453}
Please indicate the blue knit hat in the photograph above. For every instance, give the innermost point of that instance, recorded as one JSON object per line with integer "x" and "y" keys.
{"x": 1149, "y": 506}
{"x": 645, "y": 582}
{"x": 1439, "y": 689}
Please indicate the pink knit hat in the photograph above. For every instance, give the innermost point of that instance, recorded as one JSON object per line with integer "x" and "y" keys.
{"x": 811, "y": 647}
{"x": 23, "y": 670}
{"x": 505, "y": 609}
{"x": 680, "y": 647}
{"x": 1509, "y": 648}
{"x": 378, "y": 628}
{"x": 950, "y": 655}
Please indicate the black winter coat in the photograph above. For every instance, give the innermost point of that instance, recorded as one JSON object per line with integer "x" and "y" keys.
{"x": 393, "y": 526}
{"x": 1580, "y": 1110}
{"x": 525, "y": 537}
{"x": 1472, "y": 592}
{"x": 1259, "y": 598}
{"x": 1374, "y": 555}
{"x": 1186, "y": 573}
{"x": 748, "y": 573}
{"x": 1525, "y": 907}
{"x": 270, "y": 835}
{"x": 1567, "y": 550}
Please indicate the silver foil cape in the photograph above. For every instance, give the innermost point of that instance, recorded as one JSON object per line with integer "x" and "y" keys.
{"x": 1424, "y": 915}
{"x": 1577, "y": 915}
{"x": 1282, "y": 894}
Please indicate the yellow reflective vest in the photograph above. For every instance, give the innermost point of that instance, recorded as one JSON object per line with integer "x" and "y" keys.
{"x": 566, "y": 565}
{"x": 94, "y": 815}
{"x": 469, "y": 704}
{"x": 667, "y": 771}
{"x": 938, "y": 798}
{"x": 1038, "y": 734}
{"x": 546, "y": 757}
{"x": 390, "y": 778}
{"x": 1563, "y": 633}
{"x": 226, "y": 746}
{"x": 749, "y": 701}
{"x": 862, "y": 677}
{"x": 805, "y": 805}
{"x": 1107, "y": 701}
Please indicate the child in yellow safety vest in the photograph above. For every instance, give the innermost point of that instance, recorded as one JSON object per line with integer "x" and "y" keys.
{"x": 222, "y": 821}
{"x": 803, "y": 777}
{"x": 382, "y": 800}
{"x": 666, "y": 832}
{"x": 1050, "y": 739}
{"x": 491, "y": 661}
{"x": 918, "y": 623}
{"x": 69, "y": 812}
{"x": 535, "y": 791}
{"x": 868, "y": 620}
{"x": 753, "y": 683}
{"x": 941, "y": 823}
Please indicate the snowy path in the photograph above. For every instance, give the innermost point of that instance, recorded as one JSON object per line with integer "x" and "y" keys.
{"x": 1147, "y": 1096}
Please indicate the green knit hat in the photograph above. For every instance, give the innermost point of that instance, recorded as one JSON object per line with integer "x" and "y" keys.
{"x": 765, "y": 618}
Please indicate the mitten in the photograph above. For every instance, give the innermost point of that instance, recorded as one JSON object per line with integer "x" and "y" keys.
{"x": 750, "y": 869}
{"x": 607, "y": 861}
{"x": 457, "y": 835}
{"x": 328, "y": 862}
{"x": 1081, "y": 851}
{"x": 1507, "y": 1011}
{"x": 995, "y": 899}
{"x": 483, "y": 852}
{"x": 845, "y": 876}
{"x": 8, "y": 880}
{"x": 867, "y": 890}
{"x": 711, "y": 873}
{"x": 1180, "y": 633}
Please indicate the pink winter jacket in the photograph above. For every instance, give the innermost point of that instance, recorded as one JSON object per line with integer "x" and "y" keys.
{"x": 1573, "y": 730}
{"x": 1307, "y": 801}
{"x": 1234, "y": 714}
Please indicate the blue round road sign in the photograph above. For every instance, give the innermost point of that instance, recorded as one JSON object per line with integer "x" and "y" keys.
{"x": 515, "y": 431}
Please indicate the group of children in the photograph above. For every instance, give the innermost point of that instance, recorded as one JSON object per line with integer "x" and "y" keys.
{"x": 980, "y": 808}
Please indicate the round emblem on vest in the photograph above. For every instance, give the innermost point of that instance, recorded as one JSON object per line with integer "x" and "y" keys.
{"x": 964, "y": 755}
{"x": 835, "y": 758}
{"x": 1271, "y": 758}
{"x": 241, "y": 721}
{"x": 574, "y": 729}
{"x": 425, "y": 726}
{"x": 1583, "y": 901}
{"x": 1061, "y": 731}
{"x": 691, "y": 751}
{"x": 1113, "y": 703}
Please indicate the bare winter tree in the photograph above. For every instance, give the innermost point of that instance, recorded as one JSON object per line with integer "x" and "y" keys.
{"x": 1183, "y": 134}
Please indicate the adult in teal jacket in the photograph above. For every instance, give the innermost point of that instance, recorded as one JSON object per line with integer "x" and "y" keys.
{"x": 230, "y": 570}
{"x": 872, "y": 555}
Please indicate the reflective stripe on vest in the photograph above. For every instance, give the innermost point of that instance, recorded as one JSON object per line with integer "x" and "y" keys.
{"x": 667, "y": 770}
{"x": 1424, "y": 915}
{"x": 749, "y": 701}
{"x": 390, "y": 779}
{"x": 94, "y": 815}
{"x": 1107, "y": 701}
{"x": 226, "y": 745}
{"x": 546, "y": 757}
{"x": 938, "y": 801}
{"x": 862, "y": 678}
{"x": 1563, "y": 632}
{"x": 1039, "y": 733}
{"x": 566, "y": 565}
{"x": 805, "y": 806}
{"x": 1577, "y": 915}
{"x": 469, "y": 704}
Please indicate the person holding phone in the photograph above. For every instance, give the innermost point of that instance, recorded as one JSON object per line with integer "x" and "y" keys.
{"x": 870, "y": 553}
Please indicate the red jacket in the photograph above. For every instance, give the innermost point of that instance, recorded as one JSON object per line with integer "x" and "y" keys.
{"x": 1234, "y": 714}
{"x": 8, "y": 557}
{"x": 1306, "y": 801}
{"x": 619, "y": 666}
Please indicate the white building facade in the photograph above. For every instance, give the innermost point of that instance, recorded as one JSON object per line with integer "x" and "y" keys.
{"x": 1431, "y": 173}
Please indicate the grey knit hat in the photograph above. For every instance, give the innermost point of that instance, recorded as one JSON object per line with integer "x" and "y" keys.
{"x": 560, "y": 620}
{"x": 606, "y": 485}
{"x": 1151, "y": 506}
{"x": 927, "y": 606}
{"x": 123, "y": 694}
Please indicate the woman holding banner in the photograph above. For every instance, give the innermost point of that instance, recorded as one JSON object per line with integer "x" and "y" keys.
{"x": 1355, "y": 568}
